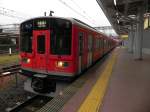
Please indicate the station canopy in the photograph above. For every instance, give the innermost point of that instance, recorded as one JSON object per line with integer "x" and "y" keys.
{"x": 123, "y": 13}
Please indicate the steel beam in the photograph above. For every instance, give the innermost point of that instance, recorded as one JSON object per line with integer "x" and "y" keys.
{"x": 131, "y": 39}
{"x": 139, "y": 34}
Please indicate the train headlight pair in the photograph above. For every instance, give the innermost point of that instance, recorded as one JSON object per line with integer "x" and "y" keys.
{"x": 62, "y": 64}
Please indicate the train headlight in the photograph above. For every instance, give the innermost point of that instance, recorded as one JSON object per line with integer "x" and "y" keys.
{"x": 62, "y": 64}
{"x": 28, "y": 60}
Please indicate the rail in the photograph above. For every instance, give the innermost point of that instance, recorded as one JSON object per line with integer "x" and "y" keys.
{"x": 9, "y": 70}
{"x": 31, "y": 103}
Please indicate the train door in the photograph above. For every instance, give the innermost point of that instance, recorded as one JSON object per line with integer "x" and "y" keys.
{"x": 89, "y": 59}
{"x": 81, "y": 48}
{"x": 41, "y": 45}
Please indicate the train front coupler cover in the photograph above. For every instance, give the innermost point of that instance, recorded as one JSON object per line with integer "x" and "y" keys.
{"x": 40, "y": 83}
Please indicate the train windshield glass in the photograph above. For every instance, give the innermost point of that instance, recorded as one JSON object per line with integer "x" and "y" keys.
{"x": 60, "y": 34}
{"x": 41, "y": 44}
{"x": 60, "y": 39}
{"x": 26, "y": 37}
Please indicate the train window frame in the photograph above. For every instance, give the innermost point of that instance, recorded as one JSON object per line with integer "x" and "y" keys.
{"x": 27, "y": 26}
{"x": 41, "y": 48}
{"x": 97, "y": 43}
{"x": 81, "y": 42}
{"x": 90, "y": 42}
{"x": 55, "y": 37}
{"x": 26, "y": 29}
{"x": 26, "y": 40}
{"x": 106, "y": 43}
{"x": 101, "y": 41}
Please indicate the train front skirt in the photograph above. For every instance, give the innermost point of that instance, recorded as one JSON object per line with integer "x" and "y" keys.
{"x": 53, "y": 89}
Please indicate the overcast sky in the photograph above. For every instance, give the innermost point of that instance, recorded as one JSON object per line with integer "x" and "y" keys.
{"x": 86, "y": 10}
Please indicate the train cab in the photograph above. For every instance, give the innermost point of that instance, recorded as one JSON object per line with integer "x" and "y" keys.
{"x": 46, "y": 47}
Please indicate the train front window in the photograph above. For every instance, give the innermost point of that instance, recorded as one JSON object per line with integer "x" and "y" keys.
{"x": 26, "y": 42}
{"x": 60, "y": 41}
{"x": 26, "y": 37}
{"x": 41, "y": 44}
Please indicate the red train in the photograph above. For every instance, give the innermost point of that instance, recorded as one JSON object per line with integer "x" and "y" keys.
{"x": 54, "y": 48}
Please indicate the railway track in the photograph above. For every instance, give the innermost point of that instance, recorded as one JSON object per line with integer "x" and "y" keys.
{"x": 9, "y": 70}
{"x": 30, "y": 105}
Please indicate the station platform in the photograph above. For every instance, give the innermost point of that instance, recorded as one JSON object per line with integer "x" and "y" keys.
{"x": 117, "y": 83}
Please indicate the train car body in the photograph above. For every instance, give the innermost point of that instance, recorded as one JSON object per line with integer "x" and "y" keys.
{"x": 53, "y": 48}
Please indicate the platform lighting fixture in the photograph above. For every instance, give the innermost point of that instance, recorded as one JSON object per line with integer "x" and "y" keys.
{"x": 117, "y": 14}
{"x": 118, "y": 21}
{"x": 115, "y": 2}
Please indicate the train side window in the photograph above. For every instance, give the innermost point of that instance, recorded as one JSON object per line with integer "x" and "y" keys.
{"x": 41, "y": 44}
{"x": 96, "y": 42}
{"x": 102, "y": 43}
{"x": 99, "y": 43}
{"x": 81, "y": 43}
{"x": 105, "y": 43}
{"x": 93, "y": 46}
{"x": 90, "y": 42}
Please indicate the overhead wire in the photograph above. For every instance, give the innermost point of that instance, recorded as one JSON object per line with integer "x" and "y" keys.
{"x": 64, "y": 3}
{"x": 12, "y": 13}
{"x": 84, "y": 12}
{"x": 77, "y": 11}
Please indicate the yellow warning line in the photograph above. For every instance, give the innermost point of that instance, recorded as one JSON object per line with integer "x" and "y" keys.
{"x": 94, "y": 99}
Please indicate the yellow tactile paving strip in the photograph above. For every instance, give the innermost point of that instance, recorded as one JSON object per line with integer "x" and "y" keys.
{"x": 94, "y": 100}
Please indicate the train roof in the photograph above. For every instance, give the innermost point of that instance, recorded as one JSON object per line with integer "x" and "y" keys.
{"x": 72, "y": 20}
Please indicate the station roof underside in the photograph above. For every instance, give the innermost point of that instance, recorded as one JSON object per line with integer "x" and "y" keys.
{"x": 123, "y": 13}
